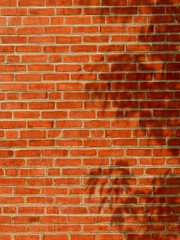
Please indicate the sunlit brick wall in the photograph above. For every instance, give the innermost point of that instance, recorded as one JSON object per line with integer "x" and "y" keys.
{"x": 89, "y": 119}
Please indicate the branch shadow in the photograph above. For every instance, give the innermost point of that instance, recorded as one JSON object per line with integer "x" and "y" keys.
{"x": 141, "y": 194}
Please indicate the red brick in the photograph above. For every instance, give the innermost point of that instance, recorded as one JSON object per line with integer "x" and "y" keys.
{"x": 56, "y": 76}
{"x": 39, "y": 228}
{"x": 58, "y": 30}
{"x": 28, "y": 237}
{"x": 12, "y": 68}
{"x": 55, "y": 237}
{"x": 78, "y": 20}
{"x": 165, "y": 28}
{"x": 13, "y": 59}
{"x": 84, "y": 236}
{"x": 118, "y": 19}
{"x": 14, "y": 11}
{"x": 74, "y": 210}
{"x": 28, "y": 114}
{"x": 68, "y": 68}
{"x": 151, "y": 228}
{"x": 57, "y": 20}
{"x": 39, "y": 181}
{"x": 165, "y": 236}
{"x": 141, "y": 2}
{"x": 152, "y": 10}
{"x": 23, "y": 3}
{"x": 69, "y": 11}
{"x": 113, "y": 29}
{"x": 68, "y": 39}
{"x": 41, "y": 39}
{"x": 87, "y": 3}
{"x": 138, "y": 236}
{"x": 114, "y": 3}
{"x": 54, "y": 152}
{"x": 59, "y": 2}
{"x": 41, "y": 11}
{"x": 28, "y": 77}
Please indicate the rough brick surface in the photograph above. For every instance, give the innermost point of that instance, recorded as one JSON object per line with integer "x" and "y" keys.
{"x": 89, "y": 120}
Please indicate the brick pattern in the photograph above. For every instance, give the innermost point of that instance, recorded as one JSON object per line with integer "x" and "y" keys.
{"x": 89, "y": 120}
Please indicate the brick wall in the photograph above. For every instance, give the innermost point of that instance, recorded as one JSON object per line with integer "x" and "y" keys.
{"x": 89, "y": 120}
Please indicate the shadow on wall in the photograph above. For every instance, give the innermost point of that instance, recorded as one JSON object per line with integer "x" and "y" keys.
{"x": 139, "y": 192}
